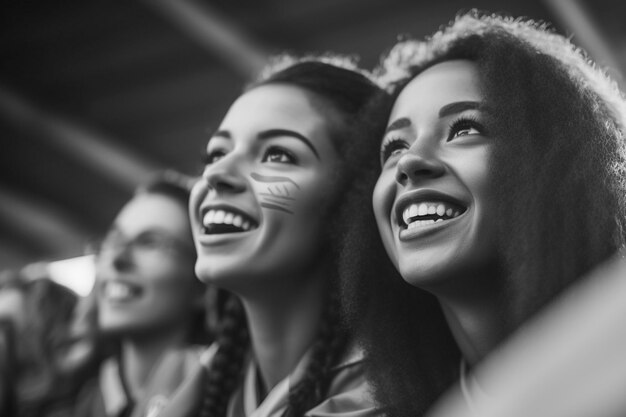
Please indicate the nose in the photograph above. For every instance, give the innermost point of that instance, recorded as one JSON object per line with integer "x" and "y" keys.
{"x": 118, "y": 257}
{"x": 122, "y": 259}
{"x": 413, "y": 167}
{"x": 224, "y": 175}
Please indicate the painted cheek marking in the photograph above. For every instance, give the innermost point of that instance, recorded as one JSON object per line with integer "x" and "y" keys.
{"x": 278, "y": 196}
{"x": 268, "y": 178}
{"x": 276, "y": 207}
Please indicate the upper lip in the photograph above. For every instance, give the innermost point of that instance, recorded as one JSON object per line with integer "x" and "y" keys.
{"x": 205, "y": 208}
{"x": 422, "y": 195}
{"x": 107, "y": 281}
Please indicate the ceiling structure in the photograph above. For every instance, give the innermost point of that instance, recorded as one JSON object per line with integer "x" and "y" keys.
{"x": 95, "y": 96}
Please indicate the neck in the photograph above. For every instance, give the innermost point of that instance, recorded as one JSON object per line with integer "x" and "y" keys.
{"x": 283, "y": 325}
{"x": 476, "y": 318}
{"x": 140, "y": 355}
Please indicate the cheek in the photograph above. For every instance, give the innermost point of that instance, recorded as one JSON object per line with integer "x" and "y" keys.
{"x": 277, "y": 193}
{"x": 198, "y": 193}
{"x": 382, "y": 200}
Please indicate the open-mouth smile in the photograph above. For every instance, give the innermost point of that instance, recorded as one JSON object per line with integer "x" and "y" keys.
{"x": 119, "y": 291}
{"x": 226, "y": 220}
{"x": 425, "y": 213}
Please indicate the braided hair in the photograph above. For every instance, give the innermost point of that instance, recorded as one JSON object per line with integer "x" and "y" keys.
{"x": 347, "y": 91}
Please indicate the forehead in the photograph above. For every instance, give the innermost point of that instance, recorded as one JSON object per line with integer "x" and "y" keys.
{"x": 441, "y": 84}
{"x": 152, "y": 211}
{"x": 275, "y": 105}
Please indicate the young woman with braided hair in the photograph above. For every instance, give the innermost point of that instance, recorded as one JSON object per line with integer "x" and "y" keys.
{"x": 267, "y": 226}
{"x": 502, "y": 184}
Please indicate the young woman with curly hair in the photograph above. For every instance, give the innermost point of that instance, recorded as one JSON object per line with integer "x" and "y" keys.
{"x": 267, "y": 224}
{"x": 502, "y": 183}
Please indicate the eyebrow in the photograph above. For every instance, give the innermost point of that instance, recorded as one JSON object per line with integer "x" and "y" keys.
{"x": 221, "y": 134}
{"x": 458, "y": 107}
{"x": 272, "y": 133}
{"x": 398, "y": 124}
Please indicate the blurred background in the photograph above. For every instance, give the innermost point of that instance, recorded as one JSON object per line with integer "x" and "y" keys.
{"x": 97, "y": 95}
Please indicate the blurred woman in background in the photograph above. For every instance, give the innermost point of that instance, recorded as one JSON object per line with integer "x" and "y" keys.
{"x": 502, "y": 183}
{"x": 148, "y": 299}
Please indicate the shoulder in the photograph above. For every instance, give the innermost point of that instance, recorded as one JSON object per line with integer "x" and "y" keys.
{"x": 88, "y": 400}
{"x": 349, "y": 392}
{"x": 187, "y": 398}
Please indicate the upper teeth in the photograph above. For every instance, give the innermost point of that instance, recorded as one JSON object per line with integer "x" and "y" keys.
{"x": 442, "y": 210}
{"x": 225, "y": 217}
{"x": 117, "y": 290}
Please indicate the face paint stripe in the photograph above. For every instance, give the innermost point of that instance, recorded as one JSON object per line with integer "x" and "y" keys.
{"x": 276, "y": 207}
{"x": 268, "y": 178}
{"x": 284, "y": 197}
{"x": 280, "y": 203}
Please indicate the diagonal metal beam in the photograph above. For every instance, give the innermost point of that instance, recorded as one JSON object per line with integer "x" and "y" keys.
{"x": 214, "y": 33}
{"x": 573, "y": 17}
{"x": 95, "y": 150}
{"x": 40, "y": 225}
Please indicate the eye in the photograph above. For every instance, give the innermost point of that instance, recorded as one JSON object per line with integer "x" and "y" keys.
{"x": 151, "y": 240}
{"x": 211, "y": 157}
{"x": 465, "y": 127}
{"x": 279, "y": 155}
{"x": 392, "y": 147}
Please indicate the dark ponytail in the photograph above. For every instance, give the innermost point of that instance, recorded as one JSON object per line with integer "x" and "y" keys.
{"x": 327, "y": 350}
{"x": 226, "y": 367}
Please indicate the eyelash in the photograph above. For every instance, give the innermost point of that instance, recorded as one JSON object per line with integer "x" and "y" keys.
{"x": 464, "y": 123}
{"x": 212, "y": 157}
{"x": 291, "y": 158}
{"x": 207, "y": 158}
{"x": 390, "y": 146}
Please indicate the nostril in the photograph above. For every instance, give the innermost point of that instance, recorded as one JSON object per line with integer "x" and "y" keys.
{"x": 222, "y": 185}
{"x": 222, "y": 180}
{"x": 414, "y": 167}
{"x": 401, "y": 178}
{"x": 121, "y": 260}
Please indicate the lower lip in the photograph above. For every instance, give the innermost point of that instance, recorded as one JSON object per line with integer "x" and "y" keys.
{"x": 420, "y": 232}
{"x": 221, "y": 238}
{"x": 118, "y": 301}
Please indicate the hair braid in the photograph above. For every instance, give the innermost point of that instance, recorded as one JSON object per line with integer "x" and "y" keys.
{"x": 327, "y": 349}
{"x": 226, "y": 366}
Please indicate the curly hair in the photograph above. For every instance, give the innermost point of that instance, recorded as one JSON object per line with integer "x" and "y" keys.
{"x": 401, "y": 328}
{"x": 344, "y": 92}
{"x": 558, "y": 166}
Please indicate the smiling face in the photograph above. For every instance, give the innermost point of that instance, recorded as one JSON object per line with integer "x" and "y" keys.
{"x": 433, "y": 202}
{"x": 257, "y": 210}
{"x": 144, "y": 270}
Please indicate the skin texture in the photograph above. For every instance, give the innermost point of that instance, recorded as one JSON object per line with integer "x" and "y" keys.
{"x": 272, "y": 161}
{"x": 278, "y": 180}
{"x": 162, "y": 277}
{"x": 437, "y": 149}
{"x": 429, "y": 158}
